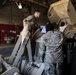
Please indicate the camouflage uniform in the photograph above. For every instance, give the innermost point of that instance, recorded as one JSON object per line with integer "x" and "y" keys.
{"x": 28, "y": 24}
{"x": 50, "y": 52}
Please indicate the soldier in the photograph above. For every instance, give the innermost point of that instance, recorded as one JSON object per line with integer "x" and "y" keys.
{"x": 50, "y": 51}
{"x": 29, "y": 23}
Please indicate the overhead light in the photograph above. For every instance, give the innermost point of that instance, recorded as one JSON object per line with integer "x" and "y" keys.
{"x": 20, "y": 6}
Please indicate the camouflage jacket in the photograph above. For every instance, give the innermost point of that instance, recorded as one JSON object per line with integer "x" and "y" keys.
{"x": 31, "y": 21}
{"x": 50, "y": 47}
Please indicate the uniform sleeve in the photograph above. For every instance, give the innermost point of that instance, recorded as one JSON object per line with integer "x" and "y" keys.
{"x": 41, "y": 50}
{"x": 29, "y": 18}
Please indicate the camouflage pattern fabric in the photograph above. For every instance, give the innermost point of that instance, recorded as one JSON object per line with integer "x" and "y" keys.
{"x": 50, "y": 52}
